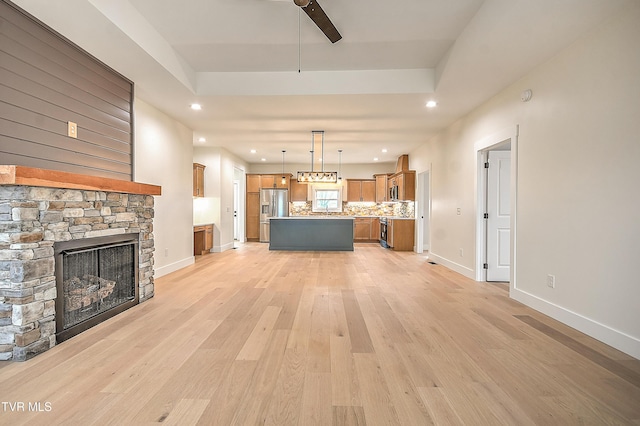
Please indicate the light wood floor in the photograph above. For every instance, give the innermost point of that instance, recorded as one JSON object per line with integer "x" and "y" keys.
{"x": 371, "y": 337}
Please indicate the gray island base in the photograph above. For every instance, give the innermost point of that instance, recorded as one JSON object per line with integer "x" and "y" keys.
{"x": 311, "y": 233}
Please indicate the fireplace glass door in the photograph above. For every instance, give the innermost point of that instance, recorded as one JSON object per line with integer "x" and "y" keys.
{"x": 96, "y": 280}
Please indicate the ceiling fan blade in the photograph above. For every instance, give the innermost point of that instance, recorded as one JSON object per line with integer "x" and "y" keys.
{"x": 317, "y": 15}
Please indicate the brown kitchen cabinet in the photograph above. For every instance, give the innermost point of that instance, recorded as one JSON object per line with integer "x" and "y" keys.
{"x": 255, "y": 182}
{"x": 361, "y": 190}
{"x": 299, "y": 191}
{"x": 382, "y": 192}
{"x": 406, "y": 185}
{"x": 202, "y": 239}
{"x": 267, "y": 181}
{"x": 286, "y": 184}
{"x": 275, "y": 181}
{"x": 198, "y": 180}
{"x": 400, "y": 234}
{"x": 366, "y": 229}
{"x": 252, "y": 228}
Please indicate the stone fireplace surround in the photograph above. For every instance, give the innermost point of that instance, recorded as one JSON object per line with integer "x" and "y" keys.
{"x": 41, "y": 207}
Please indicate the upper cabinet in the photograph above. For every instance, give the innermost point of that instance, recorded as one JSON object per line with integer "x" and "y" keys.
{"x": 299, "y": 191}
{"x": 382, "y": 193}
{"x": 253, "y": 183}
{"x": 361, "y": 190}
{"x": 198, "y": 180}
{"x": 402, "y": 186}
{"x": 283, "y": 183}
{"x": 267, "y": 181}
{"x": 256, "y": 182}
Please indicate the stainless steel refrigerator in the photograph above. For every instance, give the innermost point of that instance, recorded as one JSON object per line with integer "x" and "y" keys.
{"x": 273, "y": 203}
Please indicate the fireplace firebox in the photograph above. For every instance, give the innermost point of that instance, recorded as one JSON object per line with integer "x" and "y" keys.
{"x": 96, "y": 278}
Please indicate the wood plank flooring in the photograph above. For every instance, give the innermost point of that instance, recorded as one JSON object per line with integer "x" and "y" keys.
{"x": 370, "y": 337}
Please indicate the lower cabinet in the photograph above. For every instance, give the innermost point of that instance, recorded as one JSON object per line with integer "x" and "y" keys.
{"x": 366, "y": 229}
{"x": 202, "y": 239}
{"x": 400, "y": 234}
{"x": 252, "y": 230}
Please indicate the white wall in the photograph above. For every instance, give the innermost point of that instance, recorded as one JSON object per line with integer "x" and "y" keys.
{"x": 163, "y": 156}
{"x": 217, "y": 205}
{"x": 577, "y": 191}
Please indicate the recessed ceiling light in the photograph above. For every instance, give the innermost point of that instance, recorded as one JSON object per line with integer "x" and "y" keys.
{"x": 202, "y": 140}
{"x": 253, "y": 151}
{"x": 384, "y": 150}
{"x": 263, "y": 159}
{"x": 375, "y": 159}
{"x": 196, "y": 107}
{"x": 431, "y": 104}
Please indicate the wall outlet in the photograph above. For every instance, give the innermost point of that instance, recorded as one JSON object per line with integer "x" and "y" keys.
{"x": 461, "y": 253}
{"x": 551, "y": 281}
{"x": 72, "y": 129}
{"x": 458, "y": 211}
{"x": 166, "y": 252}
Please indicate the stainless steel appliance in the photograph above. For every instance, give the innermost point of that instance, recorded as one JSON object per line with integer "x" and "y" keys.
{"x": 393, "y": 193}
{"x": 383, "y": 232}
{"x": 273, "y": 203}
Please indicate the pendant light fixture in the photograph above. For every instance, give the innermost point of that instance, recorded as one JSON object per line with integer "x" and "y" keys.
{"x": 317, "y": 141}
{"x": 284, "y": 178}
{"x": 340, "y": 165}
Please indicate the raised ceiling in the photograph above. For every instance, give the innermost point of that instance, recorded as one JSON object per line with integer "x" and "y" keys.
{"x": 240, "y": 60}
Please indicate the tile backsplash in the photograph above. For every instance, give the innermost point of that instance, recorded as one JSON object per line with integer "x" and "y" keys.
{"x": 399, "y": 209}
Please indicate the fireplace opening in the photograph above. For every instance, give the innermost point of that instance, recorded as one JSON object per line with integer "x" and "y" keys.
{"x": 96, "y": 278}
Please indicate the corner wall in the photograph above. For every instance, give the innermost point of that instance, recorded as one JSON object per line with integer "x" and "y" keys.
{"x": 164, "y": 156}
{"x": 577, "y": 195}
{"x": 217, "y": 205}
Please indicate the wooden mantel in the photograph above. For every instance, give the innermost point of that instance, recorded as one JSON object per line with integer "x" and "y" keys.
{"x": 29, "y": 176}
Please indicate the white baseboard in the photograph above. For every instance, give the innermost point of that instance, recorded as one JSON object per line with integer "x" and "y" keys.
{"x": 619, "y": 340}
{"x": 172, "y": 267}
{"x": 224, "y": 247}
{"x": 467, "y": 272}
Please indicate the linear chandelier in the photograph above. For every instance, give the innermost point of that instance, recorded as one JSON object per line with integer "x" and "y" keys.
{"x": 317, "y": 141}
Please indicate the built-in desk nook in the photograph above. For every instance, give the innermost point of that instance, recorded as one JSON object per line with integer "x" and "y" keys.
{"x": 202, "y": 239}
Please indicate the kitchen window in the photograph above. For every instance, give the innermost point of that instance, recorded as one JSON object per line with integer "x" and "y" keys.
{"x": 327, "y": 200}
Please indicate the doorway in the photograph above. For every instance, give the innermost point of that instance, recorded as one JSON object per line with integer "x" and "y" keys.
{"x": 498, "y": 214}
{"x": 238, "y": 205}
{"x": 496, "y": 206}
{"x": 423, "y": 212}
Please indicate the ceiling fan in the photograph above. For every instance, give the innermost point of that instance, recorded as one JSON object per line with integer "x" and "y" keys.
{"x": 317, "y": 15}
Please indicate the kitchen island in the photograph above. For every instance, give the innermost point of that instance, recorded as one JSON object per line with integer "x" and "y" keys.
{"x": 312, "y": 233}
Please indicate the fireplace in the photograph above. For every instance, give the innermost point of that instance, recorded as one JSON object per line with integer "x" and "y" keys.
{"x": 47, "y": 216}
{"x": 96, "y": 278}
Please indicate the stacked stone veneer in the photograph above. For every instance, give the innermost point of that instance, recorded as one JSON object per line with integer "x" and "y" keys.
{"x": 32, "y": 219}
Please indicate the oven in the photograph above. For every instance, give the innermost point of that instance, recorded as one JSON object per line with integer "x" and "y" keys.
{"x": 383, "y": 232}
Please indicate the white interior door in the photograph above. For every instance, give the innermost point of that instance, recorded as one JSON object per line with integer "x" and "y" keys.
{"x": 499, "y": 216}
{"x": 236, "y": 207}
